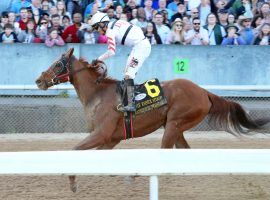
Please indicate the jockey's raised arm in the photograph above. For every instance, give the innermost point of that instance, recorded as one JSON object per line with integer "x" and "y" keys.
{"x": 111, "y": 46}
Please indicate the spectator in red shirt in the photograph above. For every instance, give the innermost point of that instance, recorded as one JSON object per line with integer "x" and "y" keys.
{"x": 23, "y": 18}
{"x": 70, "y": 33}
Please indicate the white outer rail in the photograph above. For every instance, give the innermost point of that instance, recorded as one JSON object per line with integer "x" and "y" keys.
{"x": 144, "y": 162}
{"x": 207, "y": 87}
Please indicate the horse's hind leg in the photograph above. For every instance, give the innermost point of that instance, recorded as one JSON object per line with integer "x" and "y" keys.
{"x": 170, "y": 135}
{"x": 181, "y": 142}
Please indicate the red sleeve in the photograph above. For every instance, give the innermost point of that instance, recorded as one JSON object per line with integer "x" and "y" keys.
{"x": 65, "y": 33}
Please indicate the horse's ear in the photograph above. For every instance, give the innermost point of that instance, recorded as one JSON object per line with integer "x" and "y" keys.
{"x": 70, "y": 52}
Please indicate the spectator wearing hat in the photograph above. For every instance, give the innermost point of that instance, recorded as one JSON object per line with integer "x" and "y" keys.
{"x": 239, "y": 21}
{"x": 197, "y": 35}
{"x": 216, "y": 32}
{"x": 177, "y": 33}
{"x": 246, "y": 30}
{"x": 181, "y": 11}
{"x": 54, "y": 39}
{"x": 223, "y": 17}
{"x": 263, "y": 37}
{"x": 8, "y": 36}
{"x": 232, "y": 38}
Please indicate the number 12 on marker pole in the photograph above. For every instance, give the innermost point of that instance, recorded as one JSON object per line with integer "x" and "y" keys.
{"x": 181, "y": 66}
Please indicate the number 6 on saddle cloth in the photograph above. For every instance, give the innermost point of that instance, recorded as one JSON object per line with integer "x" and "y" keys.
{"x": 148, "y": 96}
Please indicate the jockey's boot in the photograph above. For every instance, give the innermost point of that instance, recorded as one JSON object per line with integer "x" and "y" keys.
{"x": 130, "y": 97}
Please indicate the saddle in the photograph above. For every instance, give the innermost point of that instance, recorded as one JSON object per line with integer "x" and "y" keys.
{"x": 148, "y": 96}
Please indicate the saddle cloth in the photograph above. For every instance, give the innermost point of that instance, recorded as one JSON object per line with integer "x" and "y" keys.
{"x": 148, "y": 95}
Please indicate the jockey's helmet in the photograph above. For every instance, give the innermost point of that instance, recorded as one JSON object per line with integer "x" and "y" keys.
{"x": 98, "y": 18}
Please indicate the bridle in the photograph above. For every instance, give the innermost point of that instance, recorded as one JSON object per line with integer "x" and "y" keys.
{"x": 65, "y": 72}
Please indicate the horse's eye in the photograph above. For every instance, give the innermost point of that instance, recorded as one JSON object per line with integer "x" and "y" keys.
{"x": 58, "y": 68}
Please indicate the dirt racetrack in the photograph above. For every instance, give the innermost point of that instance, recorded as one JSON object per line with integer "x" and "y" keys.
{"x": 119, "y": 188}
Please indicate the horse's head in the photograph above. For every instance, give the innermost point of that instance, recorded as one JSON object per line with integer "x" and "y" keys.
{"x": 58, "y": 72}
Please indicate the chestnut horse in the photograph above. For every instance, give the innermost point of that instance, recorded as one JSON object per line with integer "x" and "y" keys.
{"x": 187, "y": 105}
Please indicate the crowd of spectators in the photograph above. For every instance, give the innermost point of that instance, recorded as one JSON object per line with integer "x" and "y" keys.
{"x": 183, "y": 22}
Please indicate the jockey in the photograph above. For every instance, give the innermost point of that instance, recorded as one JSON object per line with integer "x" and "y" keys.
{"x": 122, "y": 32}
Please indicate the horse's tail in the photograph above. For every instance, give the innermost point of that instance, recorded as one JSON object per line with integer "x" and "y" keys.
{"x": 231, "y": 117}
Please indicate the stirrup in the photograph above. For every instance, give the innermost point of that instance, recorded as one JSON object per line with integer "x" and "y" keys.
{"x": 127, "y": 108}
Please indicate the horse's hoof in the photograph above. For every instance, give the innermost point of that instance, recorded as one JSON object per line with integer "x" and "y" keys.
{"x": 74, "y": 187}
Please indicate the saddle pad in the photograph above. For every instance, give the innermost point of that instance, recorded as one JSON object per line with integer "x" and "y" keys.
{"x": 149, "y": 96}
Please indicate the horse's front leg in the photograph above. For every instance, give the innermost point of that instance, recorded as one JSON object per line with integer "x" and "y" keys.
{"x": 90, "y": 142}
{"x": 72, "y": 179}
{"x": 72, "y": 183}
{"x": 99, "y": 139}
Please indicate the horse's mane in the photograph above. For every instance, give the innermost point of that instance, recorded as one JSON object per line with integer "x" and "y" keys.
{"x": 99, "y": 71}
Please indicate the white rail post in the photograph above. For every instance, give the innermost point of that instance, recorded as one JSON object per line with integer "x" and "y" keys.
{"x": 153, "y": 188}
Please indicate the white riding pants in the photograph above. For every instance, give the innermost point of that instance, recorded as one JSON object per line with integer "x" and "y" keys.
{"x": 137, "y": 56}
